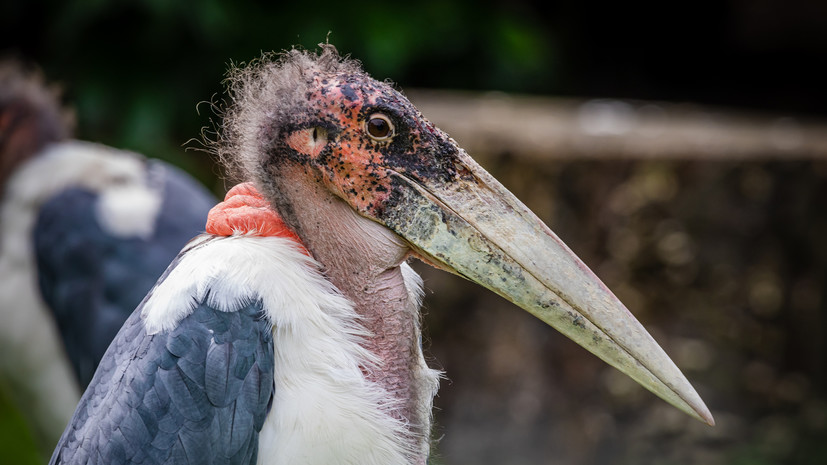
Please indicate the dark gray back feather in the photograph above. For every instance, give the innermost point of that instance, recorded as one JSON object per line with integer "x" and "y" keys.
{"x": 198, "y": 394}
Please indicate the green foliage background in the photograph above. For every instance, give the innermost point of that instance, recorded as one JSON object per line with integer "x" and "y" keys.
{"x": 135, "y": 70}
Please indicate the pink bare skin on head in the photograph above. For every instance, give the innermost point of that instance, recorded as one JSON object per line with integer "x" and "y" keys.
{"x": 357, "y": 168}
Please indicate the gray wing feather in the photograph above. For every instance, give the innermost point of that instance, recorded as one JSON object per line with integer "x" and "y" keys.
{"x": 198, "y": 394}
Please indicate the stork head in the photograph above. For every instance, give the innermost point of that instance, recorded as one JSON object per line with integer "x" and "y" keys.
{"x": 30, "y": 116}
{"x": 367, "y": 145}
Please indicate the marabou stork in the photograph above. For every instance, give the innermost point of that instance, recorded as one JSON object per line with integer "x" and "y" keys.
{"x": 290, "y": 333}
{"x": 85, "y": 231}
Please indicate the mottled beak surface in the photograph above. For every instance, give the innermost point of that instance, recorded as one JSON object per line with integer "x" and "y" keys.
{"x": 473, "y": 226}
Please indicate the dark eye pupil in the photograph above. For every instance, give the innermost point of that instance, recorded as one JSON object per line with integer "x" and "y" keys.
{"x": 378, "y": 127}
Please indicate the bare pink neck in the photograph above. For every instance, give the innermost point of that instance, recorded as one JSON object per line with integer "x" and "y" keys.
{"x": 362, "y": 259}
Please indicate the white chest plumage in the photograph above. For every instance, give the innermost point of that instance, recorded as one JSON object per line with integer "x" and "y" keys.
{"x": 324, "y": 410}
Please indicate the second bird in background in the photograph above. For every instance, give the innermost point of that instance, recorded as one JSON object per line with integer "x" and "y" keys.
{"x": 85, "y": 231}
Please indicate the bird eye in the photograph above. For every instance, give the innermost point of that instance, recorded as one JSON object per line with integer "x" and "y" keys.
{"x": 319, "y": 135}
{"x": 379, "y": 127}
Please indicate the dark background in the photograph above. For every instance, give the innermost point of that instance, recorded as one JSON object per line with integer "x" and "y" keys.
{"x": 724, "y": 261}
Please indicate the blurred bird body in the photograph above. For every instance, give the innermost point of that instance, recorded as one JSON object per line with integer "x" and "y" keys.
{"x": 290, "y": 332}
{"x": 85, "y": 230}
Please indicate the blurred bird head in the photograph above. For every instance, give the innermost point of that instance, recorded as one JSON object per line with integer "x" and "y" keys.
{"x": 31, "y": 115}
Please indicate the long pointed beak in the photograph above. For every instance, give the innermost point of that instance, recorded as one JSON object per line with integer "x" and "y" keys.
{"x": 475, "y": 227}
